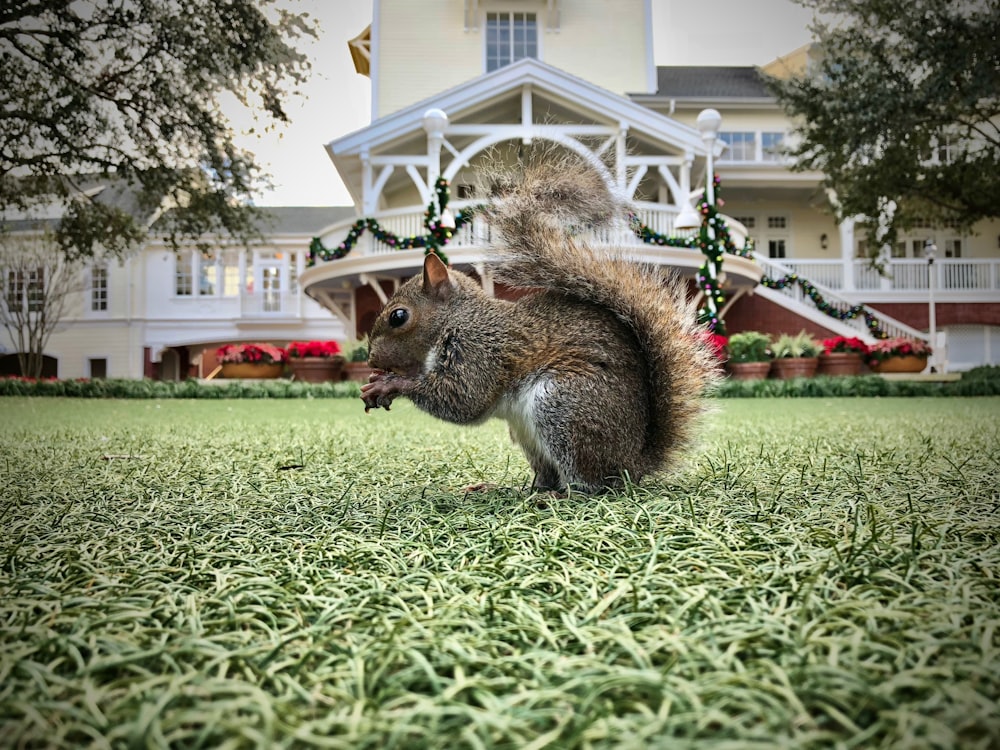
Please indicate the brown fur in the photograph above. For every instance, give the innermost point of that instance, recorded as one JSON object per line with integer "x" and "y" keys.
{"x": 599, "y": 373}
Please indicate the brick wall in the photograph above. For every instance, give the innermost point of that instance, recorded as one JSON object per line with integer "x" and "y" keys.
{"x": 917, "y": 314}
{"x": 754, "y": 313}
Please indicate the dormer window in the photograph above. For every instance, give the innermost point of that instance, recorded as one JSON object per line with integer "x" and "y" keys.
{"x": 510, "y": 37}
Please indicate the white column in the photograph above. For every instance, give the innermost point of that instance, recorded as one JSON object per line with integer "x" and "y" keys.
{"x": 846, "y": 228}
{"x": 708, "y": 125}
{"x": 435, "y": 123}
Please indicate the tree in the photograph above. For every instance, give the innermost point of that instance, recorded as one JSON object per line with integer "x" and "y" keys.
{"x": 901, "y": 111}
{"x": 39, "y": 283}
{"x": 132, "y": 90}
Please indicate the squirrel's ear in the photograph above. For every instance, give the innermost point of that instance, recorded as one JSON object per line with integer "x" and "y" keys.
{"x": 437, "y": 279}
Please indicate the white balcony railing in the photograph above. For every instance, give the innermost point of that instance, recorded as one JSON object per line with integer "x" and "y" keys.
{"x": 778, "y": 269}
{"x": 958, "y": 275}
{"x": 271, "y": 304}
{"x": 409, "y": 222}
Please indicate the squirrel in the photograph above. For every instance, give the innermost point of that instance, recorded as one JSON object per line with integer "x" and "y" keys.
{"x": 599, "y": 368}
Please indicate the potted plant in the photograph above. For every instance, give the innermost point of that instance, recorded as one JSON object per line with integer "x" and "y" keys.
{"x": 795, "y": 356}
{"x": 251, "y": 360}
{"x": 749, "y": 355}
{"x": 315, "y": 361}
{"x": 842, "y": 355}
{"x": 898, "y": 354}
{"x": 356, "y": 367}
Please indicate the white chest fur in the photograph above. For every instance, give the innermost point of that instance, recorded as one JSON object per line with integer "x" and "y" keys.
{"x": 520, "y": 409}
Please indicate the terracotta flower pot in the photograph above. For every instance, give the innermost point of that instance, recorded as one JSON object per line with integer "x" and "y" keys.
{"x": 252, "y": 370}
{"x": 748, "y": 370}
{"x": 839, "y": 363}
{"x": 794, "y": 367}
{"x": 316, "y": 369}
{"x": 909, "y": 363}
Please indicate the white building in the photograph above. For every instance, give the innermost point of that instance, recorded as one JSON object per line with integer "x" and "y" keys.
{"x": 453, "y": 80}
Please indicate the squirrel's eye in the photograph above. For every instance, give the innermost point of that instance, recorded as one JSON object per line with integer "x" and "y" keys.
{"x": 398, "y": 317}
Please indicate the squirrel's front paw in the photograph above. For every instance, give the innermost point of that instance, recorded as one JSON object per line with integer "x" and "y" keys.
{"x": 379, "y": 392}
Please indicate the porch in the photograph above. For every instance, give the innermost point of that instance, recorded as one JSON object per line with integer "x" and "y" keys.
{"x": 380, "y": 264}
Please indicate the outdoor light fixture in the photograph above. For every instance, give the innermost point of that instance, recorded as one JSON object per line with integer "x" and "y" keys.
{"x": 688, "y": 218}
{"x": 824, "y": 241}
{"x": 435, "y": 122}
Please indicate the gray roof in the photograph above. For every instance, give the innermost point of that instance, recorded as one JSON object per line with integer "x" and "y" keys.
{"x": 304, "y": 219}
{"x": 710, "y": 82}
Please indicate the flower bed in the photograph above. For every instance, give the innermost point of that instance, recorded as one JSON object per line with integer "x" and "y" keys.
{"x": 251, "y": 360}
{"x": 898, "y": 354}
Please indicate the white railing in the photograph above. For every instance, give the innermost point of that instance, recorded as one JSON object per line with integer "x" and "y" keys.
{"x": 901, "y": 274}
{"x": 409, "y": 222}
{"x": 780, "y": 269}
{"x": 271, "y": 303}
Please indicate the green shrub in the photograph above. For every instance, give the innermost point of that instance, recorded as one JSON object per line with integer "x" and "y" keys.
{"x": 799, "y": 345}
{"x": 749, "y": 346}
{"x": 980, "y": 382}
{"x": 141, "y": 389}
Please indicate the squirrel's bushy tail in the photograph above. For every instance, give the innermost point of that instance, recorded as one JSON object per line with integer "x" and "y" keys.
{"x": 540, "y": 219}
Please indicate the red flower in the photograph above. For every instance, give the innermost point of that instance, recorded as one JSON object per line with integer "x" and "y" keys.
{"x": 263, "y": 353}
{"x": 716, "y": 344}
{"x": 324, "y": 349}
{"x": 845, "y": 344}
{"x": 898, "y": 347}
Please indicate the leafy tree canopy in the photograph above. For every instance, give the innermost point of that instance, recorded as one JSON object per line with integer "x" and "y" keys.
{"x": 130, "y": 90}
{"x": 901, "y": 110}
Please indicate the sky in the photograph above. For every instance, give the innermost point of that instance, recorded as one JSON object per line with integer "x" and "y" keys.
{"x": 336, "y": 100}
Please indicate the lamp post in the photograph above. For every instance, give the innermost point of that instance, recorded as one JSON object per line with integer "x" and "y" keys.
{"x": 435, "y": 123}
{"x": 930, "y": 252}
{"x": 708, "y": 125}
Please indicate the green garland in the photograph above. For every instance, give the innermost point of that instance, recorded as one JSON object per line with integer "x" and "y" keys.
{"x": 713, "y": 240}
{"x": 827, "y": 308}
{"x": 437, "y": 235}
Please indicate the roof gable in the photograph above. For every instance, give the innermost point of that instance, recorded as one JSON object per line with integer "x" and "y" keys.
{"x": 545, "y": 80}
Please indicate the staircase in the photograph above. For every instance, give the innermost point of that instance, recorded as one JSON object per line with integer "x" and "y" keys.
{"x": 794, "y": 298}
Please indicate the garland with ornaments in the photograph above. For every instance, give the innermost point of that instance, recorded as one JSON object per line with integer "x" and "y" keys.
{"x": 713, "y": 240}
{"x": 439, "y": 222}
{"x": 827, "y": 308}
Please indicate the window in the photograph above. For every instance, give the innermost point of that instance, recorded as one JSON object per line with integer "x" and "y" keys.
{"x": 742, "y": 146}
{"x": 26, "y": 290}
{"x": 510, "y": 37}
{"x": 293, "y": 272}
{"x": 772, "y": 143}
{"x": 230, "y": 274}
{"x": 98, "y": 368}
{"x": 15, "y": 290}
{"x": 750, "y": 222}
{"x": 99, "y": 289}
{"x": 183, "y": 275}
{"x": 776, "y": 236}
{"x": 953, "y": 248}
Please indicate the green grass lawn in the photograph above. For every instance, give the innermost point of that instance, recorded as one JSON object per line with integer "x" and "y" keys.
{"x": 823, "y": 573}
